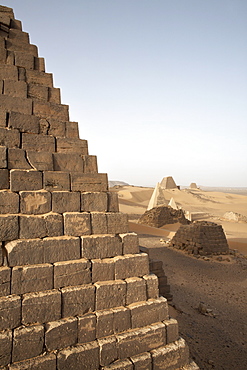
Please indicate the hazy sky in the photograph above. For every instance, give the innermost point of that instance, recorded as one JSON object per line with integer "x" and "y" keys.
{"x": 159, "y": 87}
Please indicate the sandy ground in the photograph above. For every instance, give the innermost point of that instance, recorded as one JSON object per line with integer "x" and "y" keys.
{"x": 218, "y": 338}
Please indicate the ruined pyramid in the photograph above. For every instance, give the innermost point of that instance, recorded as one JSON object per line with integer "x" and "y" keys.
{"x": 168, "y": 183}
{"x": 75, "y": 292}
{"x": 157, "y": 198}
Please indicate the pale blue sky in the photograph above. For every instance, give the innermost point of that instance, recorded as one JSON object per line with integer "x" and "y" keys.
{"x": 159, "y": 87}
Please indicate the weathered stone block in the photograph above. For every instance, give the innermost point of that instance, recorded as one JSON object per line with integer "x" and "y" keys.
{"x": 24, "y": 122}
{"x": 104, "y": 324}
{"x": 77, "y": 224}
{"x": 90, "y": 164}
{"x": 171, "y": 330}
{"x": 142, "y": 361}
{"x": 28, "y": 342}
{"x": 10, "y": 308}
{"x": 67, "y": 162}
{"x": 103, "y": 269}
{"x": 53, "y": 224}
{"x": 117, "y": 223}
{"x": 147, "y": 313}
{"x": 3, "y": 117}
{"x": 21, "y": 105}
{"x": 136, "y": 290}
{"x": 51, "y": 126}
{"x": 131, "y": 264}
{"x": 121, "y": 319}
{"x": 8, "y": 72}
{"x": 25, "y": 252}
{"x": 18, "y": 35}
{"x": 94, "y": 202}
{"x": 110, "y": 294}
{"x": 4, "y": 179}
{"x": 9, "y": 138}
{"x": 72, "y": 130}
{"x": 21, "y": 180}
{"x": 86, "y": 328}
{"x": 78, "y": 300}
{"x": 152, "y": 285}
{"x": 58, "y": 249}
{"x": 99, "y": 223}
{"x": 5, "y": 347}
{"x": 141, "y": 340}
{"x": 10, "y": 57}
{"x": 41, "y": 307}
{"x": 15, "y": 88}
{"x": 61, "y": 334}
{"x": 108, "y": 350}
{"x": 42, "y": 362}
{"x": 86, "y": 355}
{"x": 39, "y": 64}
{"x": 17, "y": 159}
{"x": 39, "y": 92}
{"x": 71, "y": 273}
{"x": 40, "y": 78}
{"x": 123, "y": 365}
{"x": 56, "y": 181}
{"x": 35, "y": 202}
{"x": 40, "y": 161}
{"x": 64, "y": 201}
{"x": 5, "y": 275}
{"x": 9, "y": 202}
{"x": 9, "y": 227}
{"x": 89, "y": 182}
{"x": 24, "y": 60}
{"x": 33, "y": 278}
{"x": 70, "y": 145}
{"x": 101, "y": 246}
{"x": 130, "y": 243}
{"x": 3, "y": 157}
{"x": 54, "y": 95}
{"x": 175, "y": 354}
{"x": 49, "y": 110}
{"x": 32, "y": 227}
{"x": 37, "y": 142}
{"x": 14, "y": 23}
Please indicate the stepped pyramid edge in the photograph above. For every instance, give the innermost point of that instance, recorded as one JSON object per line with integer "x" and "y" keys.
{"x": 75, "y": 290}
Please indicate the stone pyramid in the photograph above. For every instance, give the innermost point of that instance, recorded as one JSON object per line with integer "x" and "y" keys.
{"x": 157, "y": 198}
{"x": 75, "y": 292}
{"x": 168, "y": 183}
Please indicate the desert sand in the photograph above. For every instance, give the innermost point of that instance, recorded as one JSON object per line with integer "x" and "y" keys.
{"x": 217, "y": 338}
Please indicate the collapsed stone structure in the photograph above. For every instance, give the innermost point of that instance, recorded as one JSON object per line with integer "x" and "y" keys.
{"x": 75, "y": 292}
{"x": 201, "y": 237}
{"x": 162, "y": 215}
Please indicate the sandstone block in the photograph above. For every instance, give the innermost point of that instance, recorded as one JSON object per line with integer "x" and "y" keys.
{"x": 39, "y": 92}
{"x": 175, "y": 354}
{"x": 24, "y": 60}
{"x": 39, "y": 64}
{"x": 39, "y": 78}
{"x": 117, "y": 223}
{"x": 40, "y": 161}
{"x": 67, "y": 162}
{"x": 108, "y": 350}
{"x": 89, "y": 182}
{"x": 146, "y": 313}
{"x": 94, "y": 202}
{"x": 82, "y": 357}
{"x": 61, "y": 249}
{"x": 171, "y": 330}
{"x": 131, "y": 264}
{"x": 18, "y": 35}
{"x": 136, "y": 290}
{"x": 49, "y": 110}
{"x": 17, "y": 159}
{"x": 38, "y": 142}
{"x": 142, "y": 361}
{"x": 61, "y": 334}
{"x": 77, "y": 300}
{"x": 8, "y": 72}
{"x": 71, "y": 273}
{"x": 51, "y": 126}
{"x": 32, "y": 227}
{"x": 53, "y": 224}
{"x": 4, "y": 179}
{"x": 1, "y": 254}
{"x": 121, "y": 319}
{"x": 15, "y": 88}
{"x": 5, "y": 347}
{"x": 21, "y": 180}
{"x": 2, "y": 50}
{"x": 72, "y": 130}
{"x": 9, "y": 138}
{"x": 24, "y": 122}
{"x": 86, "y": 328}
{"x": 28, "y": 342}
{"x": 90, "y": 164}
{"x": 54, "y": 95}
{"x": 5, "y": 273}
{"x": 56, "y": 181}
{"x": 24, "y": 252}
{"x": 123, "y": 365}
{"x": 110, "y": 294}
{"x": 152, "y": 285}
{"x": 130, "y": 243}
{"x": 77, "y": 224}
{"x": 141, "y": 340}
{"x": 9, "y": 227}
{"x": 43, "y": 362}
{"x": 14, "y": 23}
{"x": 104, "y": 324}
{"x": 70, "y": 145}
{"x": 3, "y": 120}
{"x": 41, "y": 307}
{"x": 103, "y": 269}
{"x": 3, "y": 157}
{"x": 101, "y": 246}
{"x": 21, "y": 105}
{"x": 15, "y": 45}
{"x": 35, "y": 202}
{"x": 64, "y": 201}
{"x": 99, "y": 223}
{"x": 32, "y": 278}
{"x": 10, "y": 308}
{"x": 9, "y": 202}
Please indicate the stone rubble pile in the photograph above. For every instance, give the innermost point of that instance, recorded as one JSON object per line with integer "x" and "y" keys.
{"x": 162, "y": 215}
{"x": 75, "y": 291}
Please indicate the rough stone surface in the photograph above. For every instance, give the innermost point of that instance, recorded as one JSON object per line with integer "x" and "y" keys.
{"x": 110, "y": 294}
{"x": 32, "y": 278}
{"x": 172, "y": 357}
{"x": 86, "y": 328}
{"x": 9, "y": 228}
{"x": 104, "y": 323}
{"x": 135, "y": 290}
{"x": 28, "y": 342}
{"x": 9, "y": 202}
{"x": 5, "y": 274}
{"x": 61, "y": 334}
{"x": 21, "y": 180}
{"x": 125, "y": 265}
{"x": 77, "y": 224}
{"x": 78, "y": 300}
{"x": 94, "y": 202}
{"x": 5, "y": 347}
{"x": 37, "y": 363}
{"x": 142, "y": 361}
{"x": 103, "y": 269}
{"x": 17, "y": 159}
{"x": 86, "y": 355}
{"x": 65, "y": 201}
{"x": 70, "y": 273}
{"x": 121, "y": 319}
{"x": 162, "y": 215}
{"x": 108, "y": 350}
{"x": 35, "y": 202}
{"x": 56, "y": 181}
{"x": 104, "y": 246}
{"x": 130, "y": 243}
{"x": 10, "y": 308}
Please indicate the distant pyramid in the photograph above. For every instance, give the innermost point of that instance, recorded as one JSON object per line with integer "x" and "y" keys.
{"x": 157, "y": 198}
{"x": 193, "y": 186}
{"x": 168, "y": 183}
